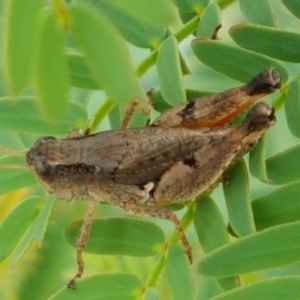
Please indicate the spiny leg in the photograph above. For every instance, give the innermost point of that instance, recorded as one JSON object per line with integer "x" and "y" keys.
{"x": 134, "y": 104}
{"x": 163, "y": 213}
{"x": 82, "y": 240}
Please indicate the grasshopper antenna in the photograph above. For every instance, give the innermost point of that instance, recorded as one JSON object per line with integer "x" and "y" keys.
{"x": 13, "y": 153}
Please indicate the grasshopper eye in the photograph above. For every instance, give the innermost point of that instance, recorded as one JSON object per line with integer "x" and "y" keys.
{"x": 261, "y": 117}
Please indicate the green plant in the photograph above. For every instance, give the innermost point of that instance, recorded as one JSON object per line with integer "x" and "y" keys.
{"x": 60, "y": 51}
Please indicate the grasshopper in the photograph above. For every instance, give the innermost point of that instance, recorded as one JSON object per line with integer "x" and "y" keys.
{"x": 143, "y": 169}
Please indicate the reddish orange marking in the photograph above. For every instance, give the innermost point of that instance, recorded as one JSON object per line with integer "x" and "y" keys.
{"x": 216, "y": 122}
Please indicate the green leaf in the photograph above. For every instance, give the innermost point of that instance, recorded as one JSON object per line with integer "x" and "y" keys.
{"x": 276, "y": 43}
{"x": 16, "y": 223}
{"x": 20, "y": 42}
{"x": 106, "y": 53}
{"x": 187, "y": 16}
{"x": 132, "y": 21}
{"x": 287, "y": 288}
{"x": 212, "y": 232}
{"x": 194, "y": 94}
{"x": 182, "y": 287}
{"x": 115, "y": 286}
{"x": 155, "y": 12}
{"x": 277, "y": 207}
{"x": 14, "y": 179}
{"x": 209, "y": 225}
{"x": 22, "y": 246}
{"x": 169, "y": 72}
{"x": 80, "y": 74}
{"x": 160, "y": 104}
{"x": 42, "y": 219}
{"x": 210, "y": 20}
{"x": 23, "y": 115}
{"x": 270, "y": 248}
{"x": 234, "y": 62}
{"x": 259, "y": 12}
{"x": 284, "y": 166}
{"x": 192, "y": 5}
{"x": 237, "y": 196}
{"x": 36, "y": 231}
{"x": 52, "y": 82}
{"x": 157, "y": 101}
{"x": 152, "y": 294}
{"x": 115, "y": 118}
{"x": 292, "y": 107}
{"x": 257, "y": 163}
{"x": 224, "y": 3}
{"x": 120, "y": 236}
{"x": 293, "y": 6}
{"x": 183, "y": 65}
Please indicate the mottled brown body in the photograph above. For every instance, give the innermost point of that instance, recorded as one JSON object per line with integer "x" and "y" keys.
{"x": 120, "y": 166}
{"x": 140, "y": 170}
{"x": 217, "y": 110}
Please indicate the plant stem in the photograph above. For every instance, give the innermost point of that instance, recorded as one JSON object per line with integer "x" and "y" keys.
{"x": 278, "y": 102}
{"x": 187, "y": 29}
{"x": 147, "y": 63}
{"x": 101, "y": 113}
{"x": 144, "y": 66}
{"x": 153, "y": 277}
{"x": 185, "y": 221}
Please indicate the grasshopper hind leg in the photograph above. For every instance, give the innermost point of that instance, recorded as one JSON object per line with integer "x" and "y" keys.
{"x": 162, "y": 213}
{"x": 133, "y": 106}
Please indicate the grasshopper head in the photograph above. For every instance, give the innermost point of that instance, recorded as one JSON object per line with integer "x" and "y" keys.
{"x": 259, "y": 118}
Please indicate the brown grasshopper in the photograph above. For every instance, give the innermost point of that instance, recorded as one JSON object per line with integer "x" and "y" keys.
{"x": 140, "y": 170}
